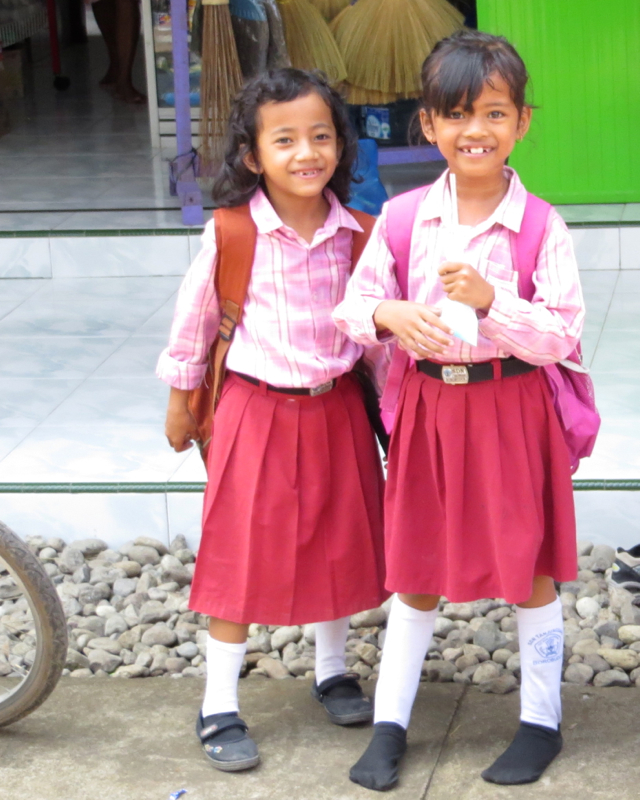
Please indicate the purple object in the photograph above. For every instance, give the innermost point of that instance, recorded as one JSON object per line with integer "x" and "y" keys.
{"x": 183, "y": 166}
{"x": 408, "y": 155}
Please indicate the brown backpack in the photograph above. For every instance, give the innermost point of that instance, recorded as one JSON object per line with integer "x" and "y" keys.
{"x": 236, "y": 235}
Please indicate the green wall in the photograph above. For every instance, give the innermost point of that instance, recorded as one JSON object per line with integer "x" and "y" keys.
{"x": 584, "y": 60}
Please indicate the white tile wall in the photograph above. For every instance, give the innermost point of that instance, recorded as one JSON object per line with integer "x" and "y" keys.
{"x": 121, "y": 256}
{"x": 25, "y": 258}
{"x": 597, "y": 248}
{"x": 630, "y": 248}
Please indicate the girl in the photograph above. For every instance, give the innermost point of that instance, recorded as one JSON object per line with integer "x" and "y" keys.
{"x": 292, "y": 520}
{"x": 479, "y": 497}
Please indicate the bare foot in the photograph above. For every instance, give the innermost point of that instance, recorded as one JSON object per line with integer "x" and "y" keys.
{"x": 109, "y": 79}
{"x": 130, "y": 95}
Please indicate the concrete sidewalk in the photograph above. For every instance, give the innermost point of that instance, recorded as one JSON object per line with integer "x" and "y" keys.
{"x": 133, "y": 740}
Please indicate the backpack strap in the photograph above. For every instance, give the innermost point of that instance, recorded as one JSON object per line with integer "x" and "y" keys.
{"x": 401, "y": 216}
{"x": 526, "y": 244}
{"x": 360, "y": 238}
{"x": 236, "y": 235}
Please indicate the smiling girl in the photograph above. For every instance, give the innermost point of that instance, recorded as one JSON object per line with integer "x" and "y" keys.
{"x": 292, "y": 521}
{"x": 479, "y": 500}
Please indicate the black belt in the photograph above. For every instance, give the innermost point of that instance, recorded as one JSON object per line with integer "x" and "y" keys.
{"x": 474, "y": 373}
{"x": 313, "y": 392}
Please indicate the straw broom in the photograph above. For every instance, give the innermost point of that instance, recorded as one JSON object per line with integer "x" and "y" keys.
{"x": 309, "y": 41}
{"x": 384, "y": 42}
{"x": 330, "y": 8}
{"x": 221, "y": 78}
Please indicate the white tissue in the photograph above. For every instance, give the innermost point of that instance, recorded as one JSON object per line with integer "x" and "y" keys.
{"x": 461, "y": 319}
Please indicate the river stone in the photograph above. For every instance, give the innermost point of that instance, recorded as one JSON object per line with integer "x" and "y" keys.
{"x": 179, "y": 575}
{"x": 101, "y": 660}
{"x": 578, "y": 673}
{"x": 625, "y": 659}
{"x": 261, "y": 643}
{"x": 487, "y": 671}
{"x": 70, "y": 606}
{"x": 585, "y": 647}
{"x": 373, "y": 617}
{"x": 152, "y": 612}
{"x": 612, "y": 677}
{"x": 56, "y": 543}
{"x": 188, "y": 650}
{"x": 452, "y": 653}
{"x": 115, "y": 624}
{"x": 174, "y": 665}
{"x": 503, "y": 684}
{"x": 459, "y": 611}
{"x": 587, "y": 607}
{"x": 112, "y": 646}
{"x": 131, "y": 569}
{"x": 489, "y": 636}
{"x": 70, "y": 559}
{"x": 144, "y": 659}
{"x": 609, "y": 628}
{"x": 367, "y": 652}
{"x": 596, "y": 662}
{"x": 439, "y": 671}
{"x": 300, "y": 666}
{"x": 123, "y": 587}
{"x": 282, "y": 636}
{"x": 603, "y": 557}
{"x": 143, "y": 555}
{"x": 184, "y": 555}
{"x": 159, "y": 634}
{"x": 481, "y": 653}
{"x": 463, "y": 662}
{"x": 147, "y": 541}
{"x": 48, "y": 553}
{"x": 629, "y": 633}
{"x": 81, "y": 673}
{"x": 178, "y": 543}
{"x": 501, "y": 656}
{"x": 76, "y": 660}
{"x": 90, "y": 547}
{"x": 310, "y": 633}
{"x": 273, "y": 668}
{"x": 513, "y": 664}
{"x": 443, "y": 627}
{"x": 131, "y": 671}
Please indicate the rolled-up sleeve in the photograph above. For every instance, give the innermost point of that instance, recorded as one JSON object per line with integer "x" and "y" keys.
{"x": 196, "y": 320}
{"x": 548, "y": 328}
{"x": 373, "y": 280}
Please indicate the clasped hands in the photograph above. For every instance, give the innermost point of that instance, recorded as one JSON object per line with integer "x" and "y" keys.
{"x": 418, "y": 327}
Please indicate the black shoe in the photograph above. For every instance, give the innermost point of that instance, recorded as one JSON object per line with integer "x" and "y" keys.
{"x": 226, "y": 742}
{"x": 625, "y": 571}
{"x": 343, "y": 699}
{"x": 532, "y": 750}
{"x": 377, "y": 768}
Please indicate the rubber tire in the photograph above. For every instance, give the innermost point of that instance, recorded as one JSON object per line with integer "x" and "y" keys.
{"x": 51, "y": 630}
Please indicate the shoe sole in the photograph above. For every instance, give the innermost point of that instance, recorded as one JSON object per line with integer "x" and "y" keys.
{"x": 628, "y": 585}
{"x": 233, "y": 766}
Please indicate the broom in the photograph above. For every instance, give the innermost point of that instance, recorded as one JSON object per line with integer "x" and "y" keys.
{"x": 221, "y": 79}
{"x": 384, "y": 43}
{"x": 251, "y": 31}
{"x": 330, "y": 8}
{"x": 310, "y": 43}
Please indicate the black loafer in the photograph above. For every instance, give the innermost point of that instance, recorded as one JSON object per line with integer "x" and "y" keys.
{"x": 226, "y": 742}
{"x": 343, "y": 699}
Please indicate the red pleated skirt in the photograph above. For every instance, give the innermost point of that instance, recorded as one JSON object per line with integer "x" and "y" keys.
{"x": 293, "y": 508}
{"x": 479, "y": 498}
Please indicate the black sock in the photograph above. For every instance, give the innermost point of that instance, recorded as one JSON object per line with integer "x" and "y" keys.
{"x": 377, "y": 768}
{"x": 532, "y": 750}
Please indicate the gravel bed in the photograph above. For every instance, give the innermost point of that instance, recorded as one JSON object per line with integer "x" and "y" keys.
{"x": 129, "y": 617}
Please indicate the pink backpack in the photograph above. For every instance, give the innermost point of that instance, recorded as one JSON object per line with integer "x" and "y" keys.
{"x": 571, "y": 387}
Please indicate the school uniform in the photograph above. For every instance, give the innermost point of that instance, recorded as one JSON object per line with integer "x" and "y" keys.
{"x": 292, "y": 520}
{"x": 479, "y": 497}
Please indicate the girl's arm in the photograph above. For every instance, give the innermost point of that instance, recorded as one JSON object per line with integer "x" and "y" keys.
{"x": 547, "y": 329}
{"x": 373, "y": 311}
{"x": 195, "y": 321}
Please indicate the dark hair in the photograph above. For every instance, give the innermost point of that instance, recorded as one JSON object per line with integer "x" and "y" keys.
{"x": 235, "y": 184}
{"x": 459, "y": 66}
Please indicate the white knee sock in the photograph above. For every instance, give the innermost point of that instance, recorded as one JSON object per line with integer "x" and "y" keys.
{"x": 224, "y": 661}
{"x": 409, "y": 633}
{"x": 331, "y": 638}
{"x": 541, "y": 637}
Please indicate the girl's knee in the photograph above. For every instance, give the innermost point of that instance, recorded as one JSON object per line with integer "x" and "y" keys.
{"x": 543, "y": 593}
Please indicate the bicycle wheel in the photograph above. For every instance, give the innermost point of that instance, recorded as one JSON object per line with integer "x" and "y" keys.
{"x": 33, "y": 630}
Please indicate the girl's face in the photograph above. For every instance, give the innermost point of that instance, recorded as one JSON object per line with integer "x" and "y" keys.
{"x": 297, "y": 147}
{"x": 477, "y": 143}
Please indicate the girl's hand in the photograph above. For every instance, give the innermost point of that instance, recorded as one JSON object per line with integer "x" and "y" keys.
{"x": 180, "y": 427}
{"x": 418, "y": 327}
{"x": 463, "y": 283}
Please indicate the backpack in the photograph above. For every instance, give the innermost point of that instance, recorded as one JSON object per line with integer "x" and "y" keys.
{"x": 569, "y": 382}
{"x": 236, "y": 236}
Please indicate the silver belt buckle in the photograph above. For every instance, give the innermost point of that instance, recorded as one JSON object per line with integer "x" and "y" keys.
{"x": 455, "y": 374}
{"x": 324, "y": 387}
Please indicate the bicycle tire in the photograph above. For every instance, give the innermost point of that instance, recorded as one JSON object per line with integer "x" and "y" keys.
{"x": 50, "y": 625}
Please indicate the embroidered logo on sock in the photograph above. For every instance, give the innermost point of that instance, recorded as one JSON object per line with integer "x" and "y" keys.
{"x": 549, "y": 646}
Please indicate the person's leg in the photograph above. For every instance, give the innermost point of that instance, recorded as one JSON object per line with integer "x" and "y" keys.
{"x": 128, "y": 18}
{"x": 538, "y": 740}
{"x": 409, "y": 631}
{"x": 339, "y": 691}
{"x": 104, "y": 12}
{"x": 226, "y": 646}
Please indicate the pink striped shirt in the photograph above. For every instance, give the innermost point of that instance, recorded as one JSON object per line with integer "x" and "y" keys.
{"x": 543, "y": 331}
{"x": 287, "y": 336}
